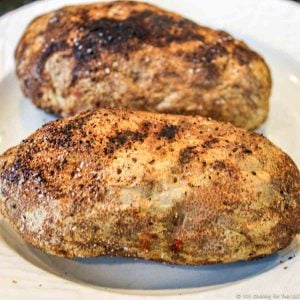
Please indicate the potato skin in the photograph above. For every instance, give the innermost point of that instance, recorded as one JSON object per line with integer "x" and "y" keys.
{"x": 178, "y": 189}
{"x": 135, "y": 55}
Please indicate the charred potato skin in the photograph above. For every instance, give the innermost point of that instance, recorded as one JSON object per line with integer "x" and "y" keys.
{"x": 135, "y": 55}
{"x": 182, "y": 190}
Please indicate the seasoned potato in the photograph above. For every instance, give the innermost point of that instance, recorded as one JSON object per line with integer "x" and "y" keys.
{"x": 138, "y": 56}
{"x": 178, "y": 189}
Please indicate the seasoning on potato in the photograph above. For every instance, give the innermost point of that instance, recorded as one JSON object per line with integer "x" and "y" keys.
{"x": 178, "y": 189}
{"x": 135, "y": 55}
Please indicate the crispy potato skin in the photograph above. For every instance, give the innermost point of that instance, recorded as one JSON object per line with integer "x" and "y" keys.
{"x": 138, "y": 56}
{"x": 178, "y": 189}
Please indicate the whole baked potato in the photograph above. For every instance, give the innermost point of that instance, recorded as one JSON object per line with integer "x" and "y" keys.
{"x": 135, "y": 55}
{"x": 178, "y": 189}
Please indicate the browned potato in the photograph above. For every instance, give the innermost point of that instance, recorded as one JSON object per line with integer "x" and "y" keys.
{"x": 135, "y": 55}
{"x": 183, "y": 190}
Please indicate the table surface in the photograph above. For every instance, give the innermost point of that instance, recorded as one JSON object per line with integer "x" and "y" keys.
{"x": 7, "y": 5}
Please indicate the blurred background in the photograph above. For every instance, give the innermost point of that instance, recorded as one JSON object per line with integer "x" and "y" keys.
{"x": 7, "y": 5}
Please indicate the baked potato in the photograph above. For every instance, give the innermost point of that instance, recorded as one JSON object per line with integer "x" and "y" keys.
{"x": 135, "y": 55}
{"x": 178, "y": 189}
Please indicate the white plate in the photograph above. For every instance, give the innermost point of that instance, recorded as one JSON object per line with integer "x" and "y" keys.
{"x": 272, "y": 27}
